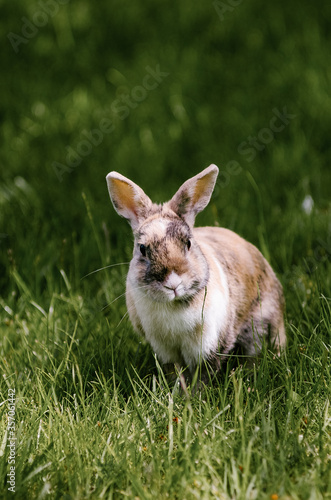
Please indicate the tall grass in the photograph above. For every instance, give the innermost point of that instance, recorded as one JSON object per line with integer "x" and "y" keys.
{"x": 95, "y": 417}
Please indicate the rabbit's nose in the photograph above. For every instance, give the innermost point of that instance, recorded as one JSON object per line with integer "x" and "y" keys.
{"x": 173, "y": 281}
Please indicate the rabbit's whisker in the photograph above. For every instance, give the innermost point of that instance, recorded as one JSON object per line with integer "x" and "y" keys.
{"x": 105, "y": 267}
{"x": 122, "y": 295}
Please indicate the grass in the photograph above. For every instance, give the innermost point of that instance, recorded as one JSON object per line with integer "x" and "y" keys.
{"x": 94, "y": 417}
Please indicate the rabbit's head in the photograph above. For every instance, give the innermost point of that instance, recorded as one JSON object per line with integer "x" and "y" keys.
{"x": 167, "y": 263}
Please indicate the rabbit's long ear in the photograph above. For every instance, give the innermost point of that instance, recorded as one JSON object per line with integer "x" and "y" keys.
{"x": 194, "y": 195}
{"x": 129, "y": 200}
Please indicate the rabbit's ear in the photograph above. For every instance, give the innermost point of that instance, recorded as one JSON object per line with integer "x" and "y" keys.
{"x": 194, "y": 195}
{"x": 129, "y": 200}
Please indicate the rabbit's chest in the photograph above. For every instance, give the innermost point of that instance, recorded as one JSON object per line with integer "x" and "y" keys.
{"x": 175, "y": 335}
{"x": 163, "y": 322}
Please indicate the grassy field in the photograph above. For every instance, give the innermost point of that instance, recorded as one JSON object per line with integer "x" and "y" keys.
{"x": 158, "y": 92}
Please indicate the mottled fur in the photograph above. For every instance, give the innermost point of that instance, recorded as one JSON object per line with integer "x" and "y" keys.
{"x": 195, "y": 293}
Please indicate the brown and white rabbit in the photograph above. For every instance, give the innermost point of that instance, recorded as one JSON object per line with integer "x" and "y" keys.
{"x": 195, "y": 293}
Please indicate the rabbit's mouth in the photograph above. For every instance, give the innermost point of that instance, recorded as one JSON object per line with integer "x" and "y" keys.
{"x": 177, "y": 296}
{"x": 173, "y": 293}
{"x": 174, "y": 289}
{"x": 163, "y": 293}
{"x": 173, "y": 286}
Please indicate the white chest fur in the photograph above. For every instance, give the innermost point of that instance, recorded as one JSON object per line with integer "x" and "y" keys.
{"x": 186, "y": 333}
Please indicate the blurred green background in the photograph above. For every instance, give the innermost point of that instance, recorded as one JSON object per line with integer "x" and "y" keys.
{"x": 223, "y": 68}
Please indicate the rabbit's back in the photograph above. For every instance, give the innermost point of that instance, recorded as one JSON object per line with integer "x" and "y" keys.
{"x": 256, "y": 303}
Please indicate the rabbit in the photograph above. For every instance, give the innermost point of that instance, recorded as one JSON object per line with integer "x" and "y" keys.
{"x": 195, "y": 294}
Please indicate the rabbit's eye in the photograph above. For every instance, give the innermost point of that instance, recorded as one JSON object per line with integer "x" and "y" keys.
{"x": 143, "y": 250}
{"x": 188, "y": 244}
